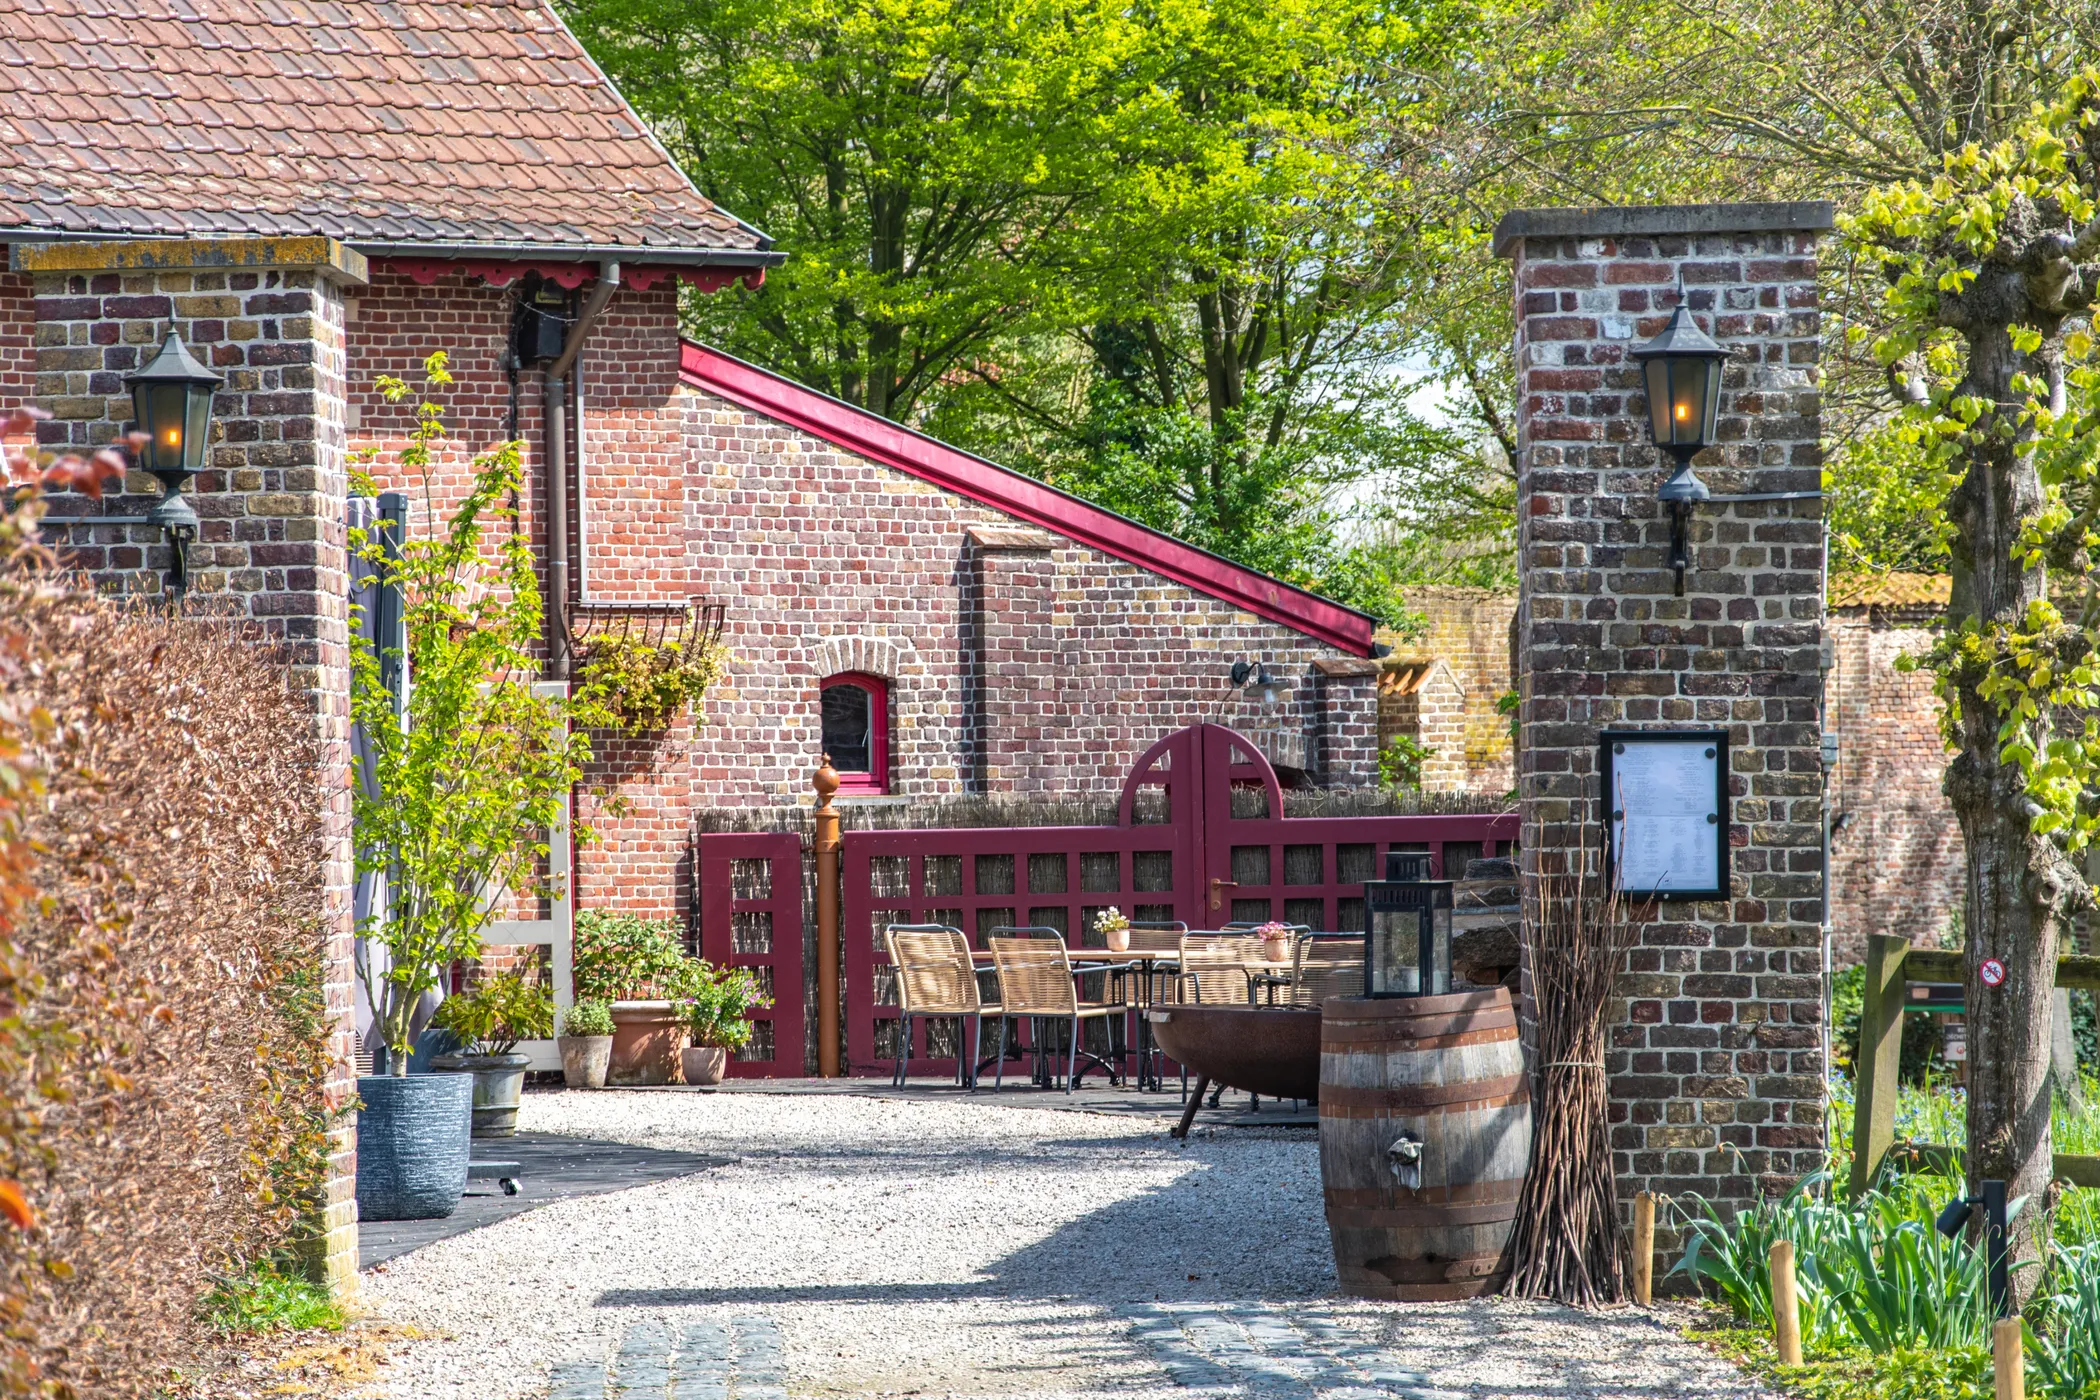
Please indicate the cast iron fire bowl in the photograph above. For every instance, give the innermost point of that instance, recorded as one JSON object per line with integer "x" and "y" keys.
{"x": 1263, "y": 1050}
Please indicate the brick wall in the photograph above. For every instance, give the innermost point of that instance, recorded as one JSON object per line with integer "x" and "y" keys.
{"x": 17, "y": 334}
{"x": 1896, "y": 859}
{"x": 1716, "y": 1057}
{"x": 813, "y": 546}
{"x": 271, "y": 548}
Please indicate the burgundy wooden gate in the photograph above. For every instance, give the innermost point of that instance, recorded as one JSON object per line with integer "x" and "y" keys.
{"x": 751, "y": 916}
{"x": 1176, "y": 852}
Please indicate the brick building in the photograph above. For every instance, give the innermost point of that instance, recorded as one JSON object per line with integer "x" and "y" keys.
{"x": 1895, "y": 847}
{"x": 430, "y": 175}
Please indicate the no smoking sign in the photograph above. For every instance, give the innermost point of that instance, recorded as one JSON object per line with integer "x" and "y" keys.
{"x": 1992, "y": 972}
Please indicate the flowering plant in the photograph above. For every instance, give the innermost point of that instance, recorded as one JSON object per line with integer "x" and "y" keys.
{"x": 1110, "y": 920}
{"x": 1273, "y": 929}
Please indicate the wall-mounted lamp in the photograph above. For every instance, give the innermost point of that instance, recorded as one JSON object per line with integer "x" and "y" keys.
{"x": 1257, "y": 673}
{"x": 171, "y": 398}
{"x": 1682, "y": 366}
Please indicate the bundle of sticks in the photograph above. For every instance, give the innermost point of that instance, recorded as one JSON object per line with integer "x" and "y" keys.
{"x": 1567, "y": 1245}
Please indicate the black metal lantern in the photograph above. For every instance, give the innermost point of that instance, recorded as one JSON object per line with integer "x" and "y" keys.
{"x": 1682, "y": 368}
{"x": 1407, "y": 933}
{"x": 171, "y": 399}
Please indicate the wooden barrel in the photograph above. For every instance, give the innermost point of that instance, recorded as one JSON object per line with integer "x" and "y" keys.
{"x": 1446, "y": 1071}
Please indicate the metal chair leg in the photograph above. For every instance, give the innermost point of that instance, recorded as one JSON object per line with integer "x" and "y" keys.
{"x": 1071, "y": 1054}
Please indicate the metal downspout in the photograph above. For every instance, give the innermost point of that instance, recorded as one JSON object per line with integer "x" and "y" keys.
{"x": 556, "y": 410}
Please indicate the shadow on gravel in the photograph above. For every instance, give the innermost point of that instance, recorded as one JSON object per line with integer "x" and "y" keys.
{"x": 1182, "y": 1241}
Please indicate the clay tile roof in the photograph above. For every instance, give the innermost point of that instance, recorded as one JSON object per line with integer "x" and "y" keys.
{"x": 1893, "y": 590}
{"x": 379, "y": 122}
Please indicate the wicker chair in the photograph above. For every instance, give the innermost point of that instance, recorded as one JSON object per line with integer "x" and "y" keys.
{"x": 935, "y": 977}
{"x": 1035, "y": 980}
{"x": 1214, "y": 967}
{"x": 1326, "y": 968}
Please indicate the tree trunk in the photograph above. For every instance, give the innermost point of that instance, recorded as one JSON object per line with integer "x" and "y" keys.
{"x": 2017, "y": 894}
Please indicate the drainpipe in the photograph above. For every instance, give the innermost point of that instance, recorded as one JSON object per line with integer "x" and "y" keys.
{"x": 556, "y": 396}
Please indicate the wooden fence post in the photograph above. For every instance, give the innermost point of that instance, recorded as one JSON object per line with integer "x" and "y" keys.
{"x": 1644, "y": 1247}
{"x": 2008, "y": 1360}
{"x": 1786, "y": 1305}
{"x": 1875, "y": 1073}
{"x": 826, "y": 782}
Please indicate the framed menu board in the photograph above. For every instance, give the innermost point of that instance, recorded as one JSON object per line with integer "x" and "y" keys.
{"x": 1666, "y": 808}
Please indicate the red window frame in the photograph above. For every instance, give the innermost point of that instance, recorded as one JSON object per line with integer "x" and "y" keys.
{"x": 877, "y": 778}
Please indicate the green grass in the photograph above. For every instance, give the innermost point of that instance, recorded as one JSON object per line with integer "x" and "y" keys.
{"x": 270, "y": 1295}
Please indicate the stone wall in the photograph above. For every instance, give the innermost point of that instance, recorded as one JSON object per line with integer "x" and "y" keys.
{"x": 1716, "y": 1060}
{"x": 271, "y": 548}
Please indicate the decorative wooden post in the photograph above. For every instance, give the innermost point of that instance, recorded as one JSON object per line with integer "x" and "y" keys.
{"x": 1644, "y": 1248}
{"x": 2008, "y": 1360}
{"x": 1875, "y": 1075}
{"x": 826, "y": 782}
{"x": 1786, "y": 1306}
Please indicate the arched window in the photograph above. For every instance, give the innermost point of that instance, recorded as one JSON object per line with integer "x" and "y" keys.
{"x": 856, "y": 712}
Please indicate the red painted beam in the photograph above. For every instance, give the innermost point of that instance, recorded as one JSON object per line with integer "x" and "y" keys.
{"x": 1023, "y": 497}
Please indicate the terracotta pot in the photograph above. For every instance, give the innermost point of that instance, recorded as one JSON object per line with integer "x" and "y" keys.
{"x": 1118, "y": 940}
{"x": 585, "y": 1060}
{"x": 703, "y": 1064}
{"x": 646, "y": 1039}
{"x": 1276, "y": 949}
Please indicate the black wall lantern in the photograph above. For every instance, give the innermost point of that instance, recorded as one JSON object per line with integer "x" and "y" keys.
{"x": 1407, "y": 932}
{"x": 171, "y": 399}
{"x": 1682, "y": 367}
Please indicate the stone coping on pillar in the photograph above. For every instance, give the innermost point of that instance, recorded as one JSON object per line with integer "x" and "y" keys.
{"x": 316, "y": 254}
{"x": 1662, "y": 221}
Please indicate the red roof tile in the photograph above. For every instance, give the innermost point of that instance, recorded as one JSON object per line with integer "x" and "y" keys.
{"x": 378, "y": 122}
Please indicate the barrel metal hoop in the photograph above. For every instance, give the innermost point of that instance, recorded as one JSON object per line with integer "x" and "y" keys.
{"x": 1401, "y": 1102}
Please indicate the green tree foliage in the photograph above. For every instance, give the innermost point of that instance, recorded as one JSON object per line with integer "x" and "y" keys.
{"x": 465, "y": 785}
{"x": 1990, "y": 271}
{"x": 1078, "y": 239}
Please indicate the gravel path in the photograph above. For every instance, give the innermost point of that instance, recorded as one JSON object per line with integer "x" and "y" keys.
{"x": 868, "y": 1247}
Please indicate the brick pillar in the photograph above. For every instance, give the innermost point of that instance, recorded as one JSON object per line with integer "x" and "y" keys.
{"x": 1345, "y": 718}
{"x": 1014, "y": 663}
{"x": 267, "y": 314}
{"x": 1716, "y": 1061}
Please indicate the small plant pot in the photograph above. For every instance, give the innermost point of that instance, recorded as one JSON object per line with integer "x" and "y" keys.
{"x": 1277, "y": 950}
{"x": 647, "y": 1036}
{"x": 703, "y": 1064}
{"x": 499, "y": 1086}
{"x": 412, "y": 1144}
{"x": 1118, "y": 940}
{"x": 585, "y": 1060}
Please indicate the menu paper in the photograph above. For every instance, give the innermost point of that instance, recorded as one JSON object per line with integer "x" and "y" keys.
{"x": 1666, "y": 829}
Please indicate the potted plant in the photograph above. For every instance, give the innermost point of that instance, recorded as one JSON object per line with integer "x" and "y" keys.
{"x": 586, "y": 1044}
{"x": 639, "y": 966}
{"x": 1113, "y": 926}
{"x": 714, "y": 1016}
{"x": 490, "y": 1021}
{"x": 463, "y": 772}
{"x": 1275, "y": 941}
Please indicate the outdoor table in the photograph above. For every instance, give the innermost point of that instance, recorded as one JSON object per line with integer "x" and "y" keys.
{"x": 1154, "y": 961}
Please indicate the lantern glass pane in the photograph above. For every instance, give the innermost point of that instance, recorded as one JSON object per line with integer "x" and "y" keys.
{"x": 1710, "y": 424}
{"x": 1688, "y": 400}
{"x": 1440, "y": 948}
{"x": 1658, "y": 376}
{"x": 196, "y": 435}
{"x": 1396, "y": 952}
{"x": 160, "y": 413}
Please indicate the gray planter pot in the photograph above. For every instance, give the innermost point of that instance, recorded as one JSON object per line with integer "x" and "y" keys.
{"x": 499, "y": 1085}
{"x": 412, "y": 1137}
{"x": 585, "y": 1060}
{"x": 703, "y": 1064}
